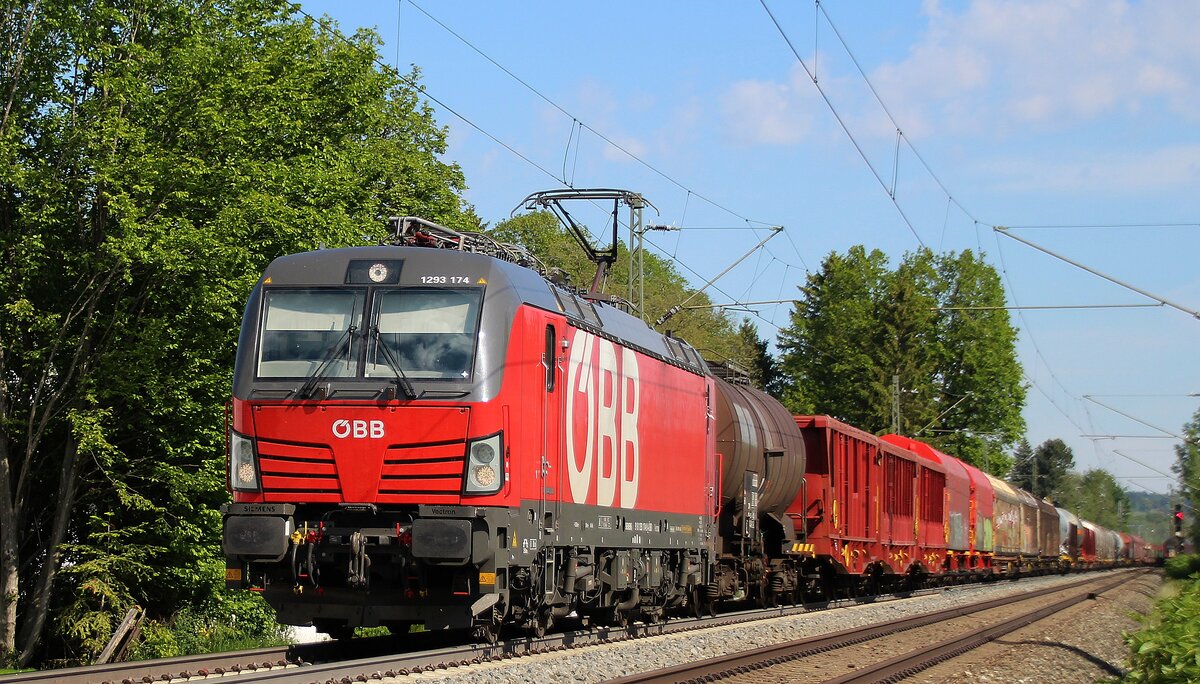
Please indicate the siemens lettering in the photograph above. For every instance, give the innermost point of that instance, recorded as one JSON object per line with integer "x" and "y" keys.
{"x": 603, "y": 392}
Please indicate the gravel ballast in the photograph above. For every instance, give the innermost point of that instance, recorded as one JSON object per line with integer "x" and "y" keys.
{"x": 1081, "y": 645}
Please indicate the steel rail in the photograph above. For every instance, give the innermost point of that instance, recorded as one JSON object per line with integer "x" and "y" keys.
{"x": 409, "y": 653}
{"x": 331, "y": 668}
{"x": 915, "y": 661}
{"x": 177, "y": 668}
{"x": 737, "y": 663}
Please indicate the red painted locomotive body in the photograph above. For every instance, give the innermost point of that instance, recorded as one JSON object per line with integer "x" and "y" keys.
{"x": 433, "y": 436}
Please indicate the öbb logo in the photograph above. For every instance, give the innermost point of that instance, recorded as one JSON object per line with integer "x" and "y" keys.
{"x": 358, "y": 429}
{"x": 603, "y": 392}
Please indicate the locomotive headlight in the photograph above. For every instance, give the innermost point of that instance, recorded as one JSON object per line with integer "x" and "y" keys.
{"x": 483, "y": 452}
{"x": 484, "y": 476}
{"x": 484, "y": 472}
{"x": 243, "y": 465}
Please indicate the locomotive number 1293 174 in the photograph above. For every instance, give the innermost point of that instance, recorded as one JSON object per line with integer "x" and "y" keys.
{"x": 444, "y": 280}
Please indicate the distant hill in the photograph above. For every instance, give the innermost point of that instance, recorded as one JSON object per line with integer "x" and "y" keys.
{"x": 1150, "y": 516}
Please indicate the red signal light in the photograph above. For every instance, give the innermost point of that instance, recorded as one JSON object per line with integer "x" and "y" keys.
{"x": 1179, "y": 515}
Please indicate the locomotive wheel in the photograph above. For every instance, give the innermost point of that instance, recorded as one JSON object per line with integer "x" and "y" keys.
{"x": 770, "y": 596}
{"x": 702, "y": 605}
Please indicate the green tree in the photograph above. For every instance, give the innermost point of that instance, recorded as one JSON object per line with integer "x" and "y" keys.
{"x": 1187, "y": 467}
{"x": 705, "y": 328}
{"x": 1021, "y": 468}
{"x": 979, "y": 374}
{"x": 906, "y": 342}
{"x": 936, "y": 327}
{"x": 828, "y": 351}
{"x": 1041, "y": 471}
{"x": 764, "y": 368}
{"x": 156, "y": 157}
{"x": 1098, "y": 498}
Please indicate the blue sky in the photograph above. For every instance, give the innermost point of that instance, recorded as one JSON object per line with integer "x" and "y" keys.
{"x": 1084, "y": 116}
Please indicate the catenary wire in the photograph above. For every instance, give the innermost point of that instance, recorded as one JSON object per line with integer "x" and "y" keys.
{"x": 582, "y": 125}
{"x": 425, "y": 93}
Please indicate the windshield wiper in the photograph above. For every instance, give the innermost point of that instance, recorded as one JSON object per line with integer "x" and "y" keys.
{"x": 334, "y": 349}
{"x": 401, "y": 379}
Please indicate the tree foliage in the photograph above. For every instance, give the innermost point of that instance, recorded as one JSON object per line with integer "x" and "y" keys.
{"x": 828, "y": 351}
{"x": 1187, "y": 467}
{"x": 764, "y": 369}
{"x": 1096, "y": 496}
{"x": 1164, "y": 651}
{"x": 936, "y": 324}
{"x": 1041, "y": 471}
{"x": 157, "y": 156}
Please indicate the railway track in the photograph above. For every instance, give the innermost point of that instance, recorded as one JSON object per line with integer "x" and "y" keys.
{"x": 384, "y": 658}
{"x": 377, "y": 657}
{"x": 174, "y": 668}
{"x": 887, "y": 652}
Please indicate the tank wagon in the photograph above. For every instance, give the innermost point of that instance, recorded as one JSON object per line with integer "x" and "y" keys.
{"x": 434, "y": 432}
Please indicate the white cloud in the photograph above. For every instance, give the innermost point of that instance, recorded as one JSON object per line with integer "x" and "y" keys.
{"x": 605, "y": 111}
{"x": 762, "y": 112}
{"x": 1114, "y": 172}
{"x": 628, "y": 145}
{"x": 999, "y": 64}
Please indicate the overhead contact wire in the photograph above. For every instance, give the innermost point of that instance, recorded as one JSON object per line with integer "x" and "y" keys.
{"x": 836, "y": 115}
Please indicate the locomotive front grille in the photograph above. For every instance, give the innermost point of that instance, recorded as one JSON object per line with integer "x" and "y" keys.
{"x": 428, "y": 473}
{"x": 298, "y": 469}
{"x": 416, "y": 473}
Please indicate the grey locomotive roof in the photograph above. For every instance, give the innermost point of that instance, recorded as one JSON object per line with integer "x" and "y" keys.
{"x": 505, "y": 280}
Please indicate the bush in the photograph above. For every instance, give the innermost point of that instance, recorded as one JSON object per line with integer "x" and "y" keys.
{"x": 1183, "y": 567}
{"x": 1165, "y": 651}
{"x": 234, "y": 622}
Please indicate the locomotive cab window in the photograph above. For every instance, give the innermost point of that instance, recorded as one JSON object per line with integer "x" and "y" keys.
{"x": 424, "y": 333}
{"x": 305, "y": 329}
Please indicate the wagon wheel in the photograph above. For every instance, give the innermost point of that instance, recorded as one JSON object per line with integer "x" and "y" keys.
{"x": 798, "y": 597}
{"x": 489, "y": 632}
{"x": 696, "y": 607}
{"x": 541, "y": 622}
